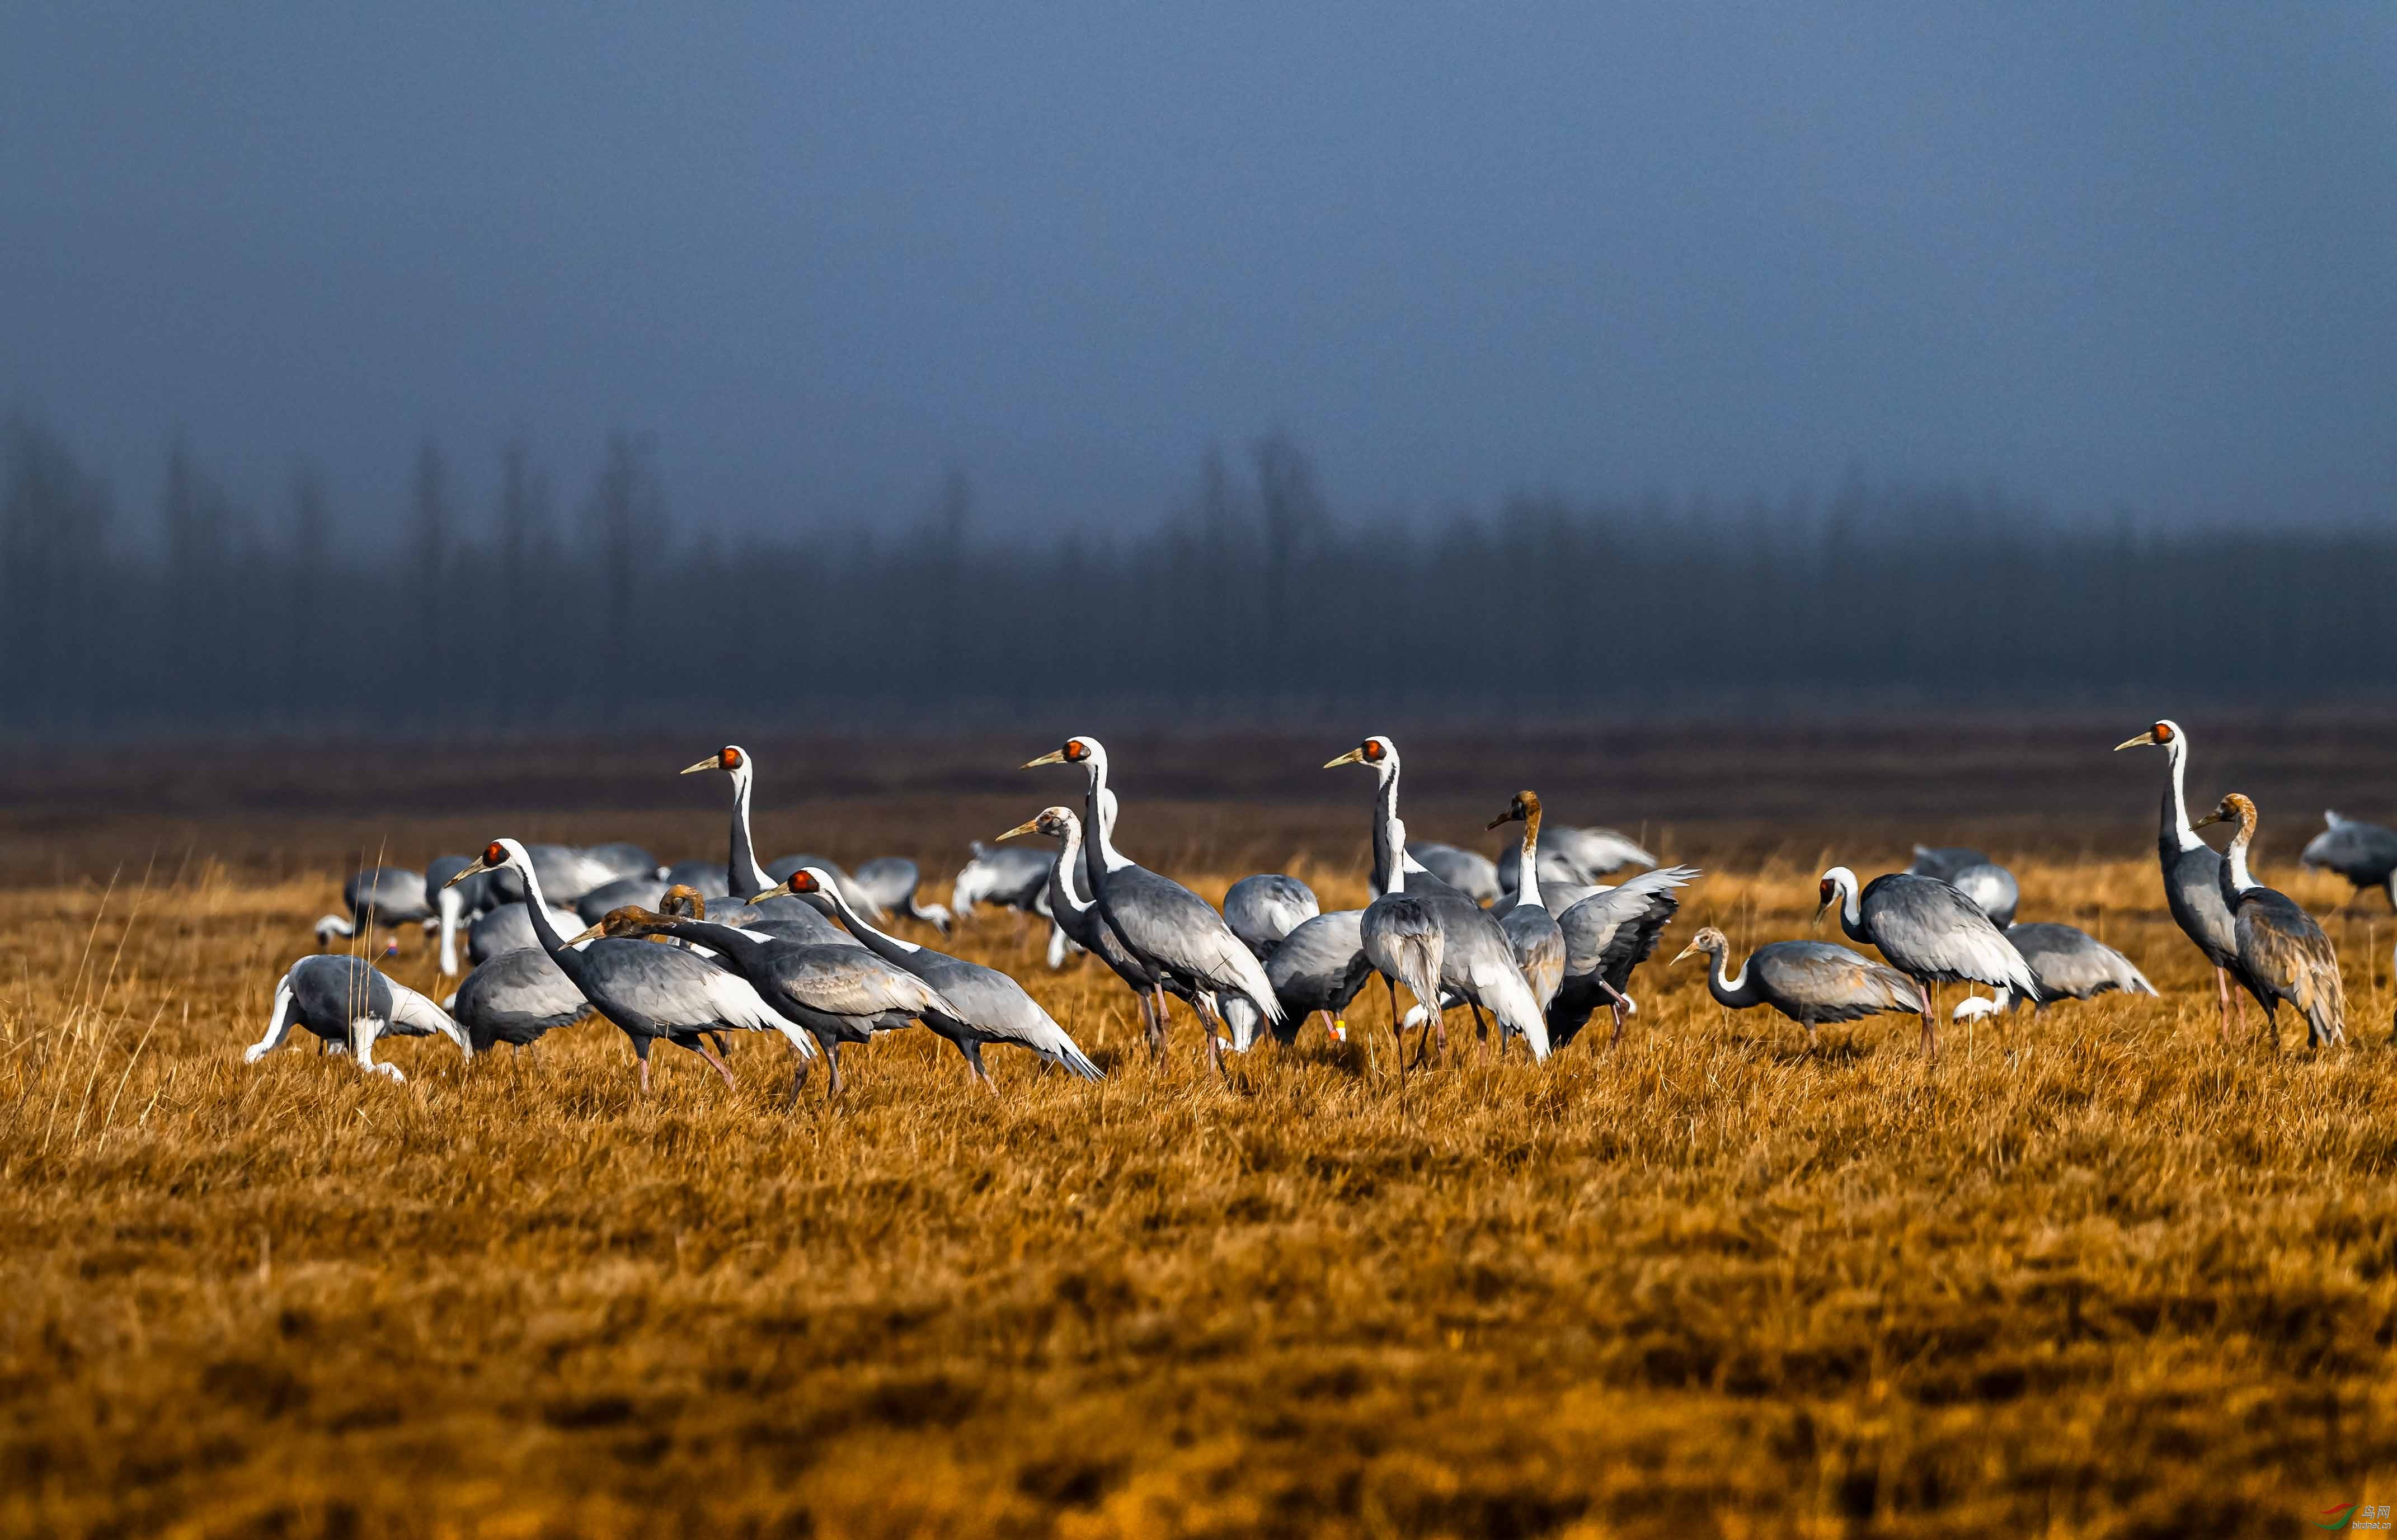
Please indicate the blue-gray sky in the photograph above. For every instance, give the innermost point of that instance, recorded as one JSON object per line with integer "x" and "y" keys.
{"x": 2140, "y": 254}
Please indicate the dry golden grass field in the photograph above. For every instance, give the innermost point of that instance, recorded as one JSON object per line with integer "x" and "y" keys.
{"x": 2094, "y": 1272}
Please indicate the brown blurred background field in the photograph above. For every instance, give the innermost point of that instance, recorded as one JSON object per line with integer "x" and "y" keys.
{"x": 2095, "y": 1272}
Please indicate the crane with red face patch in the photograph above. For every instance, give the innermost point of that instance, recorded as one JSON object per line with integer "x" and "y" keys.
{"x": 2192, "y": 870}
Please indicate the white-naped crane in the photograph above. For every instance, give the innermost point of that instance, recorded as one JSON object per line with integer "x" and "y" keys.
{"x": 1929, "y": 932}
{"x": 1077, "y": 915}
{"x": 2364, "y": 853}
{"x": 892, "y": 883}
{"x": 836, "y": 994}
{"x": 1477, "y": 960}
{"x": 982, "y": 1005}
{"x": 649, "y": 992}
{"x": 345, "y": 1001}
{"x": 1538, "y": 941}
{"x": 2282, "y": 953}
{"x": 1262, "y": 909}
{"x": 1010, "y": 878}
{"x": 2070, "y": 964}
{"x": 1165, "y": 928}
{"x": 1317, "y": 970}
{"x": 2192, "y": 869}
{"x": 1810, "y": 981}
{"x": 1607, "y": 935}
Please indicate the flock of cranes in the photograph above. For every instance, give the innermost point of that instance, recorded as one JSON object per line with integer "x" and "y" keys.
{"x": 1534, "y": 944}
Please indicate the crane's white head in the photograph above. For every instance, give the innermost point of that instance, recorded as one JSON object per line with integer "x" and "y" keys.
{"x": 1056, "y": 823}
{"x": 1082, "y": 749}
{"x": 1377, "y": 753}
{"x": 1838, "y": 886}
{"x": 498, "y": 853}
{"x": 1710, "y": 941}
{"x": 806, "y": 880}
{"x": 731, "y": 758}
{"x": 2164, "y": 734}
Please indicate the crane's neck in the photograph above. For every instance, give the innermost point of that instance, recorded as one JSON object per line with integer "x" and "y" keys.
{"x": 569, "y": 961}
{"x": 1527, "y": 870}
{"x": 2177, "y": 752}
{"x": 748, "y": 879}
{"x": 890, "y": 948}
{"x": 1389, "y": 832}
{"x": 1100, "y": 810}
{"x": 1852, "y": 918}
{"x": 1069, "y": 855}
{"x": 2235, "y": 859}
{"x": 1727, "y": 987}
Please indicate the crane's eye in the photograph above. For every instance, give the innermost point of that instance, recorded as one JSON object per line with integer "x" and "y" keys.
{"x": 2163, "y": 732}
{"x": 1074, "y": 749}
{"x": 729, "y": 758}
{"x": 495, "y": 855}
{"x": 803, "y": 882}
{"x": 1371, "y": 749}
{"x": 1827, "y": 891}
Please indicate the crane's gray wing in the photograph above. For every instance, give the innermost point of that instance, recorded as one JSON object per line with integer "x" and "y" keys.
{"x": 1184, "y": 932}
{"x": 845, "y": 980}
{"x": 1828, "y": 981}
{"x": 2071, "y": 964}
{"x": 679, "y": 988}
{"x": 1923, "y": 921}
{"x": 1262, "y": 909}
{"x": 1593, "y": 926}
{"x": 414, "y": 1016}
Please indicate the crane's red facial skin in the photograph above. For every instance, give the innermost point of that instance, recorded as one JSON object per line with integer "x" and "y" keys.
{"x": 728, "y": 757}
{"x": 802, "y": 883}
{"x": 1829, "y": 890}
{"x": 1372, "y": 750}
{"x": 2162, "y": 732}
{"x": 495, "y": 855}
{"x": 1077, "y": 750}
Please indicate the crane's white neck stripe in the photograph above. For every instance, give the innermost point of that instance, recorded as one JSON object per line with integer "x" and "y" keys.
{"x": 2178, "y": 752}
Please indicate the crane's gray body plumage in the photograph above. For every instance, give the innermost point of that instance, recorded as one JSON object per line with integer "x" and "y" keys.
{"x": 623, "y": 859}
{"x": 1469, "y": 872}
{"x": 2070, "y": 964}
{"x": 1319, "y": 966}
{"x": 2364, "y": 853}
{"x": 509, "y": 928}
{"x": 1005, "y": 875}
{"x": 515, "y": 998}
{"x": 1945, "y": 861}
{"x": 704, "y": 877}
{"x": 624, "y": 892}
{"x": 2283, "y": 954}
{"x": 1606, "y": 936}
{"x": 1813, "y": 982}
{"x": 981, "y": 1005}
{"x": 1932, "y": 933}
{"x": 1262, "y": 909}
{"x": 385, "y": 896}
{"x": 1992, "y": 890}
{"x": 1572, "y": 857}
{"x": 893, "y": 881}
{"x": 837, "y": 994}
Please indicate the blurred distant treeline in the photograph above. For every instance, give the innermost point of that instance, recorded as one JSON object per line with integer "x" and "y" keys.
{"x": 508, "y": 606}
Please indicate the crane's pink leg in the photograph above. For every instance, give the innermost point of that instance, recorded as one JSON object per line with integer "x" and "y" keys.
{"x": 1930, "y": 1034}
{"x": 720, "y": 1065}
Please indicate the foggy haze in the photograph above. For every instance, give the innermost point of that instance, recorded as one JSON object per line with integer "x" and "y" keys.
{"x": 2130, "y": 256}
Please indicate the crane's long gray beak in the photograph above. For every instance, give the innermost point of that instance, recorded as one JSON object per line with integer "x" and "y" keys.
{"x": 2142, "y": 741}
{"x": 1030, "y": 826}
{"x": 1820, "y": 910}
{"x": 1684, "y": 953}
{"x": 708, "y": 763}
{"x": 592, "y": 934}
{"x": 1351, "y": 757}
{"x": 1054, "y": 756}
{"x": 1502, "y": 818}
{"x": 478, "y": 869}
{"x": 2213, "y": 817}
{"x": 781, "y": 890}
